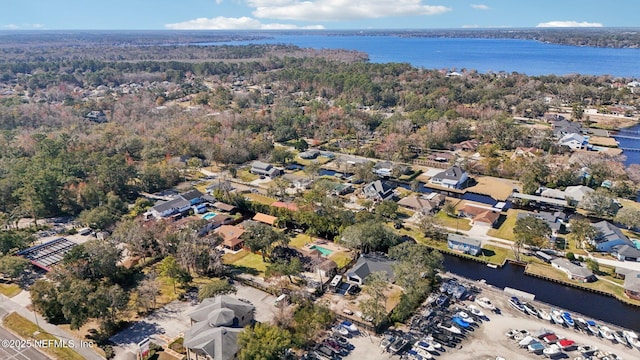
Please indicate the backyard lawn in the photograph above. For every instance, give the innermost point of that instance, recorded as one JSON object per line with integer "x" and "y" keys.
{"x": 499, "y": 189}
{"x": 244, "y": 258}
{"x": 341, "y": 258}
{"x": 453, "y": 222}
{"x": 260, "y": 198}
{"x": 246, "y": 176}
{"x": 506, "y": 229}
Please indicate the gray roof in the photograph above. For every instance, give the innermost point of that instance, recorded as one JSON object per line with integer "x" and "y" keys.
{"x": 382, "y": 188}
{"x": 202, "y": 312}
{"x": 260, "y": 165}
{"x": 627, "y": 251}
{"x": 572, "y": 268}
{"x": 632, "y": 281}
{"x": 547, "y": 217}
{"x": 191, "y": 194}
{"x": 368, "y": 264}
{"x": 464, "y": 240}
{"x": 452, "y": 173}
{"x": 565, "y": 127}
{"x": 609, "y": 232}
{"x": 176, "y": 203}
{"x": 220, "y": 343}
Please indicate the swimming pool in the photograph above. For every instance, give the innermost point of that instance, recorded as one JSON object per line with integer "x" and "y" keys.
{"x": 636, "y": 242}
{"x": 208, "y": 215}
{"x": 323, "y": 251}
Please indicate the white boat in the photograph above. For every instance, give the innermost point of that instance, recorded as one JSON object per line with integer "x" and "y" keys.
{"x": 421, "y": 344}
{"x": 475, "y": 311}
{"x": 529, "y": 309}
{"x": 341, "y": 330}
{"x": 516, "y": 304}
{"x": 587, "y": 350}
{"x": 542, "y": 314}
{"x": 466, "y": 317}
{"x": 620, "y": 338}
{"x": 556, "y": 316}
{"x": 632, "y": 338}
{"x": 526, "y": 341}
{"x": 485, "y": 303}
{"x": 413, "y": 355}
{"x": 423, "y": 353}
{"x": 593, "y": 327}
{"x": 605, "y": 332}
{"x": 349, "y": 326}
{"x": 429, "y": 340}
{"x": 450, "y": 328}
{"x": 552, "y": 350}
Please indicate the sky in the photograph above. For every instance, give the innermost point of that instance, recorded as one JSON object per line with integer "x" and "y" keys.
{"x": 313, "y": 14}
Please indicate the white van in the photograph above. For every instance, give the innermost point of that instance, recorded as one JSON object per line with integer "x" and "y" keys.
{"x": 282, "y": 299}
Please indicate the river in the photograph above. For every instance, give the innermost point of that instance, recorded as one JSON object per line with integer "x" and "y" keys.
{"x": 598, "y": 307}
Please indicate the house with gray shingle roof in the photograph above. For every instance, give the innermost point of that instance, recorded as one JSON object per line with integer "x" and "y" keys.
{"x": 453, "y": 178}
{"x": 608, "y": 237}
{"x": 369, "y": 264}
{"x": 632, "y": 285}
{"x": 573, "y": 271}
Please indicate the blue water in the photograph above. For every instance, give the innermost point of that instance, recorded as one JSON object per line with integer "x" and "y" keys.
{"x": 323, "y": 251}
{"x": 209, "y": 215}
{"x": 627, "y": 142}
{"x": 485, "y": 55}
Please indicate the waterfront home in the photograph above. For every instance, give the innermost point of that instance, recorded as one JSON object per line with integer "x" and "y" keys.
{"x": 479, "y": 215}
{"x": 632, "y": 285}
{"x": 230, "y": 235}
{"x": 574, "y": 272}
{"x": 265, "y": 169}
{"x": 553, "y": 220}
{"x": 626, "y": 252}
{"x": 609, "y": 236}
{"x": 215, "y": 325}
{"x": 573, "y": 141}
{"x": 464, "y": 244}
{"x": 383, "y": 168}
{"x": 378, "y": 191}
{"x": 428, "y": 204}
{"x": 452, "y": 178}
{"x": 224, "y": 207}
{"x": 367, "y": 264}
{"x": 563, "y": 127}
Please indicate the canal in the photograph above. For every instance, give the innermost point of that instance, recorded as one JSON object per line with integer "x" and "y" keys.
{"x": 584, "y": 302}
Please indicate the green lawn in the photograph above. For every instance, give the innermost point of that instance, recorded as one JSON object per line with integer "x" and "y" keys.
{"x": 453, "y": 222}
{"x": 320, "y": 160}
{"x": 341, "y": 258}
{"x": 246, "y": 176}
{"x": 247, "y": 259}
{"x": 496, "y": 254}
{"x": 506, "y": 229}
{"x": 299, "y": 241}
{"x": 9, "y": 290}
{"x": 260, "y": 198}
{"x": 26, "y": 329}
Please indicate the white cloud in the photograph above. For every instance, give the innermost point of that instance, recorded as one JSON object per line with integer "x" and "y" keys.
{"x": 332, "y": 10}
{"x": 480, "y": 6}
{"x": 11, "y": 26}
{"x": 569, "y": 24}
{"x": 227, "y": 23}
{"x": 474, "y": 26}
{"x": 22, "y": 26}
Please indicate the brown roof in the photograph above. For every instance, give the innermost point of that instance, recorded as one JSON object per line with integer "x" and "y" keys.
{"x": 480, "y": 214}
{"x": 224, "y": 207}
{"x": 264, "y": 218}
{"x": 416, "y": 203}
{"x": 230, "y": 234}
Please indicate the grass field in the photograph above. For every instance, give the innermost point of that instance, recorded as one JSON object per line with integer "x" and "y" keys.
{"x": 506, "y": 229}
{"x": 26, "y": 329}
{"x": 244, "y": 258}
{"x": 246, "y": 176}
{"x": 9, "y": 290}
{"x": 453, "y": 222}
{"x": 499, "y": 189}
{"x": 341, "y": 258}
{"x": 320, "y": 160}
{"x": 260, "y": 198}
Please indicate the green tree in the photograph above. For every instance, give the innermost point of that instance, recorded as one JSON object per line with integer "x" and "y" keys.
{"x": 375, "y": 305}
{"x": 449, "y": 208}
{"x": 432, "y": 228}
{"x": 582, "y": 232}
{"x": 170, "y": 268}
{"x": 628, "y": 217}
{"x": 13, "y": 266}
{"x": 13, "y": 240}
{"x": 599, "y": 203}
{"x": 263, "y": 342}
{"x": 281, "y": 155}
{"x": 387, "y": 209}
{"x": 369, "y": 236}
{"x": 310, "y": 322}
{"x": 593, "y": 265}
{"x": 529, "y": 231}
{"x": 214, "y": 288}
{"x": 44, "y": 297}
{"x": 577, "y": 111}
{"x": 282, "y": 267}
{"x": 261, "y": 237}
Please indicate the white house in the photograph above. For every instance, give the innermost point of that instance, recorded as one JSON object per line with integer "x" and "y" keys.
{"x": 453, "y": 178}
{"x": 573, "y": 141}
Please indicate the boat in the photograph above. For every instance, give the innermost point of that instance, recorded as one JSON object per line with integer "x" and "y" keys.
{"x": 485, "y": 303}
{"x": 442, "y": 300}
{"x": 460, "y": 322}
{"x": 340, "y": 330}
{"x": 556, "y": 316}
{"x": 593, "y": 327}
{"x": 398, "y": 345}
{"x": 566, "y": 344}
{"x": 542, "y": 314}
{"x": 493, "y": 266}
{"x": 476, "y": 312}
{"x": 529, "y": 309}
{"x": 422, "y": 353}
{"x": 619, "y": 337}
{"x": 459, "y": 291}
{"x": 567, "y": 319}
{"x": 587, "y": 350}
{"x": 387, "y": 341}
{"x": 349, "y": 326}
{"x": 424, "y": 345}
{"x": 542, "y": 333}
{"x": 450, "y": 328}
{"x": 526, "y": 341}
{"x": 429, "y": 340}
{"x": 413, "y": 355}
{"x": 516, "y": 304}
{"x": 606, "y": 333}
{"x": 552, "y": 350}
{"x": 535, "y": 347}
{"x": 632, "y": 338}
{"x": 551, "y": 339}
{"x": 464, "y": 316}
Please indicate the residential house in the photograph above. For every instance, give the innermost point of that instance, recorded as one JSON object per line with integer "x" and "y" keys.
{"x": 464, "y": 244}
{"x": 626, "y": 252}
{"x": 224, "y": 186}
{"x": 609, "y": 236}
{"x": 265, "y": 219}
{"x": 553, "y": 193}
{"x": 554, "y": 220}
{"x": 224, "y": 207}
{"x": 309, "y": 154}
{"x": 479, "y": 215}
{"x": 563, "y": 127}
{"x": 577, "y": 193}
{"x": 215, "y": 325}
{"x": 179, "y": 204}
{"x": 231, "y": 236}
{"x": 632, "y": 285}
{"x": 452, "y": 178}
{"x": 442, "y": 157}
{"x": 467, "y": 145}
{"x": 524, "y": 152}
{"x": 265, "y": 169}
{"x": 383, "y": 168}
{"x": 378, "y": 191}
{"x": 573, "y": 141}
{"x": 428, "y": 204}
{"x": 97, "y": 116}
{"x": 574, "y": 272}
{"x": 368, "y": 264}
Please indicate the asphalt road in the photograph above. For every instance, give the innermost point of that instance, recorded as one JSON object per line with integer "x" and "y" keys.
{"x": 26, "y": 353}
